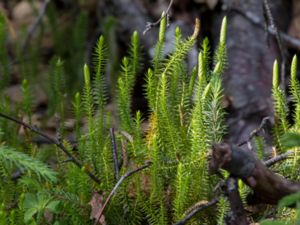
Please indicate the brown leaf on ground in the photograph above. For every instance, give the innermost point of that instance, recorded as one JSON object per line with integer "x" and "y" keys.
{"x": 97, "y": 202}
{"x": 15, "y": 94}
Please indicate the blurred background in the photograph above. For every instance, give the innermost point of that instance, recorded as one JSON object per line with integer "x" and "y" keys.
{"x": 38, "y": 33}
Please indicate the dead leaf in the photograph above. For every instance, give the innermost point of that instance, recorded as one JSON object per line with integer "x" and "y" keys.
{"x": 97, "y": 202}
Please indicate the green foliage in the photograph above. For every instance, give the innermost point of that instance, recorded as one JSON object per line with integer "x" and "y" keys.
{"x": 12, "y": 158}
{"x": 280, "y": 108}
{"x": 285, "y": 134}
{"x": 35, "y": 206}
{"x": 223, "y": 208}
{"x": 4, "y": 67}
{"x": 88, "y": 101}
{"x": 286, "y": 137}
{"x": 75, "y": 32}
{"x": 57, "y": 87}
{"x": 291, "y": 140}
{"x": 185, "y": 117}
{"x": 181, "y": 187}
{"x": 77, "y": 104}
{"x": 288, "y": 201}
{"x": 272, "y": 222}
{"x": 125, "y": 86}
{"x": 27, "y": 99}
{"x": 259, "y": 144}
{"x": 99, "y": 89}
{"x": 295, "y": 91}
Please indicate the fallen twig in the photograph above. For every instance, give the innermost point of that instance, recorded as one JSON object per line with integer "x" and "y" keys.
{"x": 58, "y": 143}
{"x": 128, "y": 174}
{"x": 272, "y": 161}
{"x": 149, "y": 25}
{"x": 34, "y": 25}
{"x": 196, "y": 210}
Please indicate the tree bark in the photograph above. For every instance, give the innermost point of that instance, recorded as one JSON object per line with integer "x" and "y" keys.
{"x": 251, "y": 54}
{"x": 237, "y": 215}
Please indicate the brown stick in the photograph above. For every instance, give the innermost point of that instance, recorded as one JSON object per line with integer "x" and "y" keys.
{"x": 149, "y": 25}
{"x": 128, "y": 174}
{"x": 56, "y": 142}
{"x": 196, "y": 210}
{"x": 272, "y": 161}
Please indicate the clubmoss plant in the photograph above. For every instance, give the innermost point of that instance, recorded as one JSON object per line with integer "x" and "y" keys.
{"x": 185, "y": 117}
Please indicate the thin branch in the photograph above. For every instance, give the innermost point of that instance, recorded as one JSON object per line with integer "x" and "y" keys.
{"x": 273, "y": 26}
{"x": 196, "y": 210}
{"x": 272, "y": 161}
{"x": 54, "y": 141}
{"x": 256, "y": 131}
{"x": 270, "y": 19}
{"x": 35, "y": 24}
{"x": 149, "y": 25}
{"x": 128, "y": 174}
{"x": 289, "y": 40}
{"x": 114, "y": 152}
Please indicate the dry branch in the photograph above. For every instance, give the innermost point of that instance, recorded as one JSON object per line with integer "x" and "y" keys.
{"x": 128, "y": 174}
{"x": 149, "y": 25}
{"x": 57, "y": 142}
{"x": 278, "y": 158}
{"x": 196, "y": 210}
{"x": 267, "y": 186}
